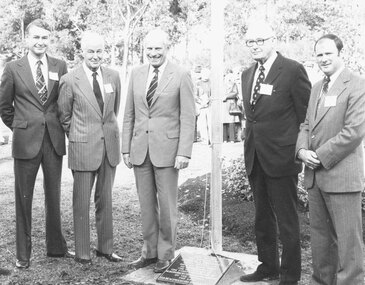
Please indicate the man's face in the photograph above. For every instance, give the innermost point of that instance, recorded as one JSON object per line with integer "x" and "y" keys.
{"x": 37, "y": 41}
{"x": 93, "y": 53}
{"x": 328, "y": 57}
{"x": 261, "y": 43}
{"x": 156, "y": 51}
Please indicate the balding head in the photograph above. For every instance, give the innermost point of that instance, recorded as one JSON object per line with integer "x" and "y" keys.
{"x": 92, "y": 45}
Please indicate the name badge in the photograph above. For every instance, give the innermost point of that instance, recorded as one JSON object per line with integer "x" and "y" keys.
{"x": 108, "y": 88}
{"x": 330, "y": 101}
{"x": 53, "y": 76}
{"x": 266, "y": 89}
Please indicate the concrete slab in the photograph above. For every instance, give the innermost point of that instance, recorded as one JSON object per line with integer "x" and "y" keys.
{"x": 247, "y": 264}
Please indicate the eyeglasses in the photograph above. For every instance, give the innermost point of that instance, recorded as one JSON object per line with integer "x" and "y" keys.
{"x": 259, "y": 42}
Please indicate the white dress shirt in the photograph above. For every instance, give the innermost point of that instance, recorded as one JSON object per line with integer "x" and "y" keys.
{"x": 99, "y": 78}
{"x": 33, "y": 62}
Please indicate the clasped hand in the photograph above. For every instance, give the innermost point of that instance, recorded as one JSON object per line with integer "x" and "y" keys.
{"x": 309, "y": 158}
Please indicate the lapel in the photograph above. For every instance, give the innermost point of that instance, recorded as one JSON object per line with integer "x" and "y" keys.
{"x": 337, "y": 89}
{"x": 84, "y": 86}
{"x": 248, "y": 87}
{"x": 274, "y": 72}
{"x": 166, "y": 77}
{"x": 106, "y": 80}
{"x": 141, "y": 77}
{"x": 25, "y": 74}
{"x": 52, "y": 68}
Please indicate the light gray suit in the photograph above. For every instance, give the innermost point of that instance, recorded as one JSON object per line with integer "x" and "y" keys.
{"x": 154, "y": 137}
{"x": 336, "y": 135}
{"x": 93, "y": 150}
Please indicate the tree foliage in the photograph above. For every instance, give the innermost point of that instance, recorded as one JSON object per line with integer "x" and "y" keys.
{"x": 124, "y": 24}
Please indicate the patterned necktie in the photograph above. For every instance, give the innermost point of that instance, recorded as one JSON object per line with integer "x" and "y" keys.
{"x": 41, "y": 84}
{"x": 152, "y": 88}
{"x": 256, "y": 90}
{"x": 326, "y": 81}
{"x": 97, "y": 92}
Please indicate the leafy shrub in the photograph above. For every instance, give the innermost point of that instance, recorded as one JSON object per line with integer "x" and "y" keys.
{"x": 236, "y": 185}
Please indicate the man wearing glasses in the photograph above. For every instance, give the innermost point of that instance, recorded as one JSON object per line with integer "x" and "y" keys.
{"x": 275, "y": 93}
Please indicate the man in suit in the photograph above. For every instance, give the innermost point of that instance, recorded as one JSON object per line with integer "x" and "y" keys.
{"x": 157, "y": 139}
{"x": 28, "y": 106}
{"x": 275, "y": 93}
{"x": 89, "y": 104}
{"x": 330, "y": 145}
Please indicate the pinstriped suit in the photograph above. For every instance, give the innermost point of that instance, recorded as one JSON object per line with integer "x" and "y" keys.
{"x": 93, "y": 150}
{"x": 336, "y": 136}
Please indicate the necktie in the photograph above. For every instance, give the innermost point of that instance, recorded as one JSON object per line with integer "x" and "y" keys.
{"x": 41, "y": 84}
{"x": 152, "y": 88}
{"x": 97, "y": 92}
{"x": 256, "y": 90}
{"x": 325, "y": 83}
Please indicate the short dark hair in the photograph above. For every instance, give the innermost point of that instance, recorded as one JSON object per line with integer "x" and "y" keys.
{"x": 332, "y": 37}
{"x": 38, "y": 23}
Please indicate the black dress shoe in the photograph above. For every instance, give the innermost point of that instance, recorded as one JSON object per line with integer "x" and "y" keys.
{"x": 83, "y": 260}
{"x": 142, "y": 262}
{"x": 113, "y": 257}
{"x": 259, "y": 276}
{"x": 67, "y": 254}
{"x": 22, "y": 264}
{"x": 161, "y": 266}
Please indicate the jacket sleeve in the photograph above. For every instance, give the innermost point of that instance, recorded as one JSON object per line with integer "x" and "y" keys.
{"x": 187, "y": 115}
{"x": 7, "y": 93}
{"x": 64, "y": 102}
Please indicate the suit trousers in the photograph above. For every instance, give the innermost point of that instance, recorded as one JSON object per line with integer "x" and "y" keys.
{"x": 336, "y": 237}
{"x": 83, "y": 184}
{"x": 276, "y": 209}
{"x": 25, "y": 172}
{"x": 157, "y": 192}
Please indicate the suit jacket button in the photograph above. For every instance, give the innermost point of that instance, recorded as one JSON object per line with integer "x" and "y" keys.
{"x": 102, "y": 138}
{"x": 254, "y": 122}
{"x": 146, "y": 132}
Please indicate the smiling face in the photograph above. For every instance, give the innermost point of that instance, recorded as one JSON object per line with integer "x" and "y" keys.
{"x": 156, "y": 48}
{"x": 327, "y": 56}
{"x": 260, "y": 39}
{"x": 37, "y": 41}
{"x": 93, "y": 50}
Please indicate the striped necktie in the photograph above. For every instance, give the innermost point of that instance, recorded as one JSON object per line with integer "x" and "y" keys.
{"x": 152, "y": 88}
{"x": 41, "y": 84}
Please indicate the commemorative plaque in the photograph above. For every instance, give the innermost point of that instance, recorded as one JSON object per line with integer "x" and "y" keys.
{"x": 195, "y": 269}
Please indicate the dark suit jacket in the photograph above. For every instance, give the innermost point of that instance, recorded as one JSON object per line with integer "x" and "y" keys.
{"x": 272, "y": 128}
{"x": 88, "y": 129}
{"x": 22, "y": 111}
{"x": 336, "y": 135}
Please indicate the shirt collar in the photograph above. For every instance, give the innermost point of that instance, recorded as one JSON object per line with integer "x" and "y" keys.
{"x": 33, "y": 60}
{"x": 89, "y": 72}
{"x": 269, "y": 62}
{"x": 335, "y": 75}
{"x": 161, "y": 68}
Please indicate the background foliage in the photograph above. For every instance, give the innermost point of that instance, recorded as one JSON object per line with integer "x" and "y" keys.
{"x": 125, "y": 22}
